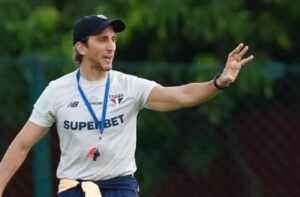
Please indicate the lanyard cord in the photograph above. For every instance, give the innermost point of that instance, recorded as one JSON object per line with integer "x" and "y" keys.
{"x": 100, "y": 124}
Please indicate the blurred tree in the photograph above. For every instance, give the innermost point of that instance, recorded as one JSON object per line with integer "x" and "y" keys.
{"x": 167, "y": 30}
{"x": 197, "y": 33}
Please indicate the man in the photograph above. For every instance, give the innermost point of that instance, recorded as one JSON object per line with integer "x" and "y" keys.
{"x": 95, "y": 109}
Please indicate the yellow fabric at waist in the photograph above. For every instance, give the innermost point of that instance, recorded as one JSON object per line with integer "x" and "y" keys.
{"x": 89, "y": 188}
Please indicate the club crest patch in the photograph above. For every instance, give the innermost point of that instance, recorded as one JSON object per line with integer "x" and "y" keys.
{"x": 117, "y": 98}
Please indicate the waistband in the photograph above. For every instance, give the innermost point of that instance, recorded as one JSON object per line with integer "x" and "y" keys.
{"x": 121, "y": 182}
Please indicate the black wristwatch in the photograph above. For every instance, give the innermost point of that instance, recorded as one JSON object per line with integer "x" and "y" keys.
{"x": 215, "y": 83}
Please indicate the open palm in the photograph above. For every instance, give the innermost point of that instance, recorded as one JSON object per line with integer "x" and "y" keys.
{"x": 234, "y": 63}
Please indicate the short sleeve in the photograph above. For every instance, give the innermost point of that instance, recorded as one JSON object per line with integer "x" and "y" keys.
{"x": 142, "y": 89}
{"x": 43, "y": 110}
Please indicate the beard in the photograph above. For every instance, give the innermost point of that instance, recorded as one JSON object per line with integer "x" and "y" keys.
{"x": 99, "y": 67}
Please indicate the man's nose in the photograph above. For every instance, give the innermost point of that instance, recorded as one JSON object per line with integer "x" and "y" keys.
{"x": 111, "y": 45}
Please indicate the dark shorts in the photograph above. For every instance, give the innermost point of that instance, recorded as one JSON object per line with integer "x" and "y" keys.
{"x": 124, "y": 186}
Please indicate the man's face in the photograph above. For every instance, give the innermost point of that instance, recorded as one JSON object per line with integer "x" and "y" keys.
{"x": 100, "y": 49}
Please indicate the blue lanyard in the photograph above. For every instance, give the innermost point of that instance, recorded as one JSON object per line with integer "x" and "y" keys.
{"x": 101, "y": 123}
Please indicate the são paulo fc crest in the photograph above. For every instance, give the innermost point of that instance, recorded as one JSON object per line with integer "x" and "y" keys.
{"x": 117, "y": 98}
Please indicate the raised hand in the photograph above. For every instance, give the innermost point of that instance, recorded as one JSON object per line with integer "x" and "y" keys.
{"x": 235, "y": 62}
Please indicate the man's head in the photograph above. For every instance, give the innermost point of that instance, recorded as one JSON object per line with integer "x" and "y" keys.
{"x": 92, "y": 25}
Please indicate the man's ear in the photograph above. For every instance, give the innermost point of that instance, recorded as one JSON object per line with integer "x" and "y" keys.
{"x": 81, "y": 48}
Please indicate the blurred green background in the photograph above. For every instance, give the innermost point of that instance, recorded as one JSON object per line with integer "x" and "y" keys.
{"x": 242, "y": 143}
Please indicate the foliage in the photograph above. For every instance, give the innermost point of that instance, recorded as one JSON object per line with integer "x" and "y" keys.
{"x": 13, "y": 96}
{"x": 180, "y": 30}
{"x": 158, "y": 30}
{"x": 197, "y": 35}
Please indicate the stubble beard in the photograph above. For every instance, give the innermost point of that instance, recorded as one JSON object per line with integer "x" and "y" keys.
{"x": 100, "y": 68}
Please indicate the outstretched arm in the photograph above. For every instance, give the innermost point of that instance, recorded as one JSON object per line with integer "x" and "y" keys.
{"x": 189, "y": 95}
{"x": 18, "y": 150}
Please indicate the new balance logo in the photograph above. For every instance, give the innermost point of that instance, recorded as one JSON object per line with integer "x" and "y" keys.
{"x": 73, "y": 104}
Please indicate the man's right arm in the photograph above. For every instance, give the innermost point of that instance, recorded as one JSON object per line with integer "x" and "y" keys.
{"x": 18, "y": 150}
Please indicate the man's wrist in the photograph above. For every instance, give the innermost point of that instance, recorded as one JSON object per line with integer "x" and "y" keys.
{"x": 217, "y": 84}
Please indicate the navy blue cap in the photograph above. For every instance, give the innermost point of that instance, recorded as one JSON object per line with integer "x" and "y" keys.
{"x": 91, "y": 25}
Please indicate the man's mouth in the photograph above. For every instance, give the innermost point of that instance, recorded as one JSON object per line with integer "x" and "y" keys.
{"x": 108, "y": 57}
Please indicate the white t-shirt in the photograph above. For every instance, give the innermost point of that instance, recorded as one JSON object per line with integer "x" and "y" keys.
{"x": 62, "y": 103}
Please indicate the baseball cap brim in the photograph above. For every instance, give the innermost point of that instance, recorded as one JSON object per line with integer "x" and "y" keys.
{"x": 117, "y": 25}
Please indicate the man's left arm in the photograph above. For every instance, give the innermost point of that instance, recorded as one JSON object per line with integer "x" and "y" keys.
{"x": 189, "y": 95}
